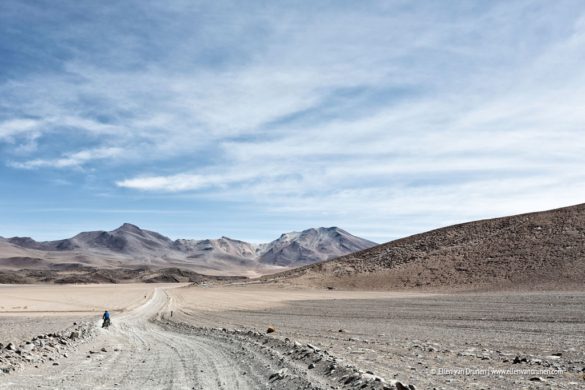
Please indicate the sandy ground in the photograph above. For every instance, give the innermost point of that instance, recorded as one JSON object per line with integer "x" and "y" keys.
{"x": 55, "y": 299}
{"x": 266, "y": 297}
{"x": 23, "y": 306}
{"x": 414, "y": 338}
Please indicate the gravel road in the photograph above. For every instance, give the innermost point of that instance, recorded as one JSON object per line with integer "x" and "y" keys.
{"x": 143, "y": 350}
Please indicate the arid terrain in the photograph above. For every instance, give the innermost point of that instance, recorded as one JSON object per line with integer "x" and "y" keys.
{"x": 292, "y": 195}
{"x": 542, "y": 250}
{"x": 169, "y": 336}
{"x": 485, "y": 305}
{"x": 28, "y": 310}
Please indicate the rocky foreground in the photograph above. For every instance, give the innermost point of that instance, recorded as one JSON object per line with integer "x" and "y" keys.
{"x": 145, "y": 349}
{"x": 519, "y": 340}
{"x": 298, "y": 362}
{"x": 188, "y": 338}
{"x": 304, "y": 360}
{"x": 45, "y": 348}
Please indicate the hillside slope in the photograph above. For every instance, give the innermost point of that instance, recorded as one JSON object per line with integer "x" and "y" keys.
{"x": 543, "y": 249}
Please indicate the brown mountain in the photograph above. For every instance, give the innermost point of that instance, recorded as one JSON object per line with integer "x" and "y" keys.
{"x": 536, "y": 250}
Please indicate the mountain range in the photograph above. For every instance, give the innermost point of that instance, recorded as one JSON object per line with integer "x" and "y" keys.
{"x": 131, "y": 246}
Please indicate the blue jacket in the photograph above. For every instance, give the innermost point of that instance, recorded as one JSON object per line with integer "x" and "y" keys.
{"x": 106, "y": 316}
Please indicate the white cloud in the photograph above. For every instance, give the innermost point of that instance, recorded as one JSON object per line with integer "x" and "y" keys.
{"x": 17, "y": 127}
{"x": 360, "y": 113}
{"x": 182, "y": 182}
{"x": 72, "y": 160}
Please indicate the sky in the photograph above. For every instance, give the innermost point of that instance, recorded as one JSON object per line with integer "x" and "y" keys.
{"x": 201, "y": 119}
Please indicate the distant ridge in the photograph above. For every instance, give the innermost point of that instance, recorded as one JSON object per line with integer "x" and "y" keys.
{"x": 542, "y": 249}
{"x": 131, "y": 246}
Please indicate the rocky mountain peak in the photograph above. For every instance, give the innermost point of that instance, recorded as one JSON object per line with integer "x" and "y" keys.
{"x": 128, "y": 227}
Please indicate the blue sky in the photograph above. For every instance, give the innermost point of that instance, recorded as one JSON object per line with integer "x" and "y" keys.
{"x": 206, "y": 118}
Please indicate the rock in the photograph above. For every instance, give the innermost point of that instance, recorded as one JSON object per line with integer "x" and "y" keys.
{"x": 55, "y": 363}
{"x": 104, "y": 349}
{"x": 271, "y": 329}
{"x": 536, "y": 379}
{"x": 519, "y": 359}
{"x": 11, "y": 347}
{"x": 351, "y": 378}
{"x": 28, "y": 347}
{"x": 341, "y": 331}
{"x": 370, "y": 377}
{"x": 399, "y": 385}
{"x": 311, "y": 366}
{"x": 279, "y": 375}
{"x": 313, "y": 347}
{"x": 74, "y": 335}
{"x": 553, "y": 357}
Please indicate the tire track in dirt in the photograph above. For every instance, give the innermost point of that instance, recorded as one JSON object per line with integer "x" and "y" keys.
{"x": 139, "y": 353}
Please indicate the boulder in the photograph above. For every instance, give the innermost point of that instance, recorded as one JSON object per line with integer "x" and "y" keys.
{"x": 281, "y": 374}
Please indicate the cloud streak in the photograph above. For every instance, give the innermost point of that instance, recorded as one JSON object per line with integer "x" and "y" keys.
{"x": 72, "y": 160}
{"x": 361, "y": 114}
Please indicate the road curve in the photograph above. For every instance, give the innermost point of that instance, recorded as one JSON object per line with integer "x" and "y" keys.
{"x": 143, "y": 354}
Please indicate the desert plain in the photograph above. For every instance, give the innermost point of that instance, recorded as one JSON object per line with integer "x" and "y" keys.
{"x": 215, "y": 336}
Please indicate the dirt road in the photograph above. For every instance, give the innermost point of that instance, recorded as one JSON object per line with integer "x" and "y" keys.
{"x": 138, "y": 351}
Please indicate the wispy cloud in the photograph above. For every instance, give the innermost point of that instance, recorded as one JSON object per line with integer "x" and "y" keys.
{"x": 17, "y": 127}
{"x": 359, "y": 113}
{"x": 72, "y": 160}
